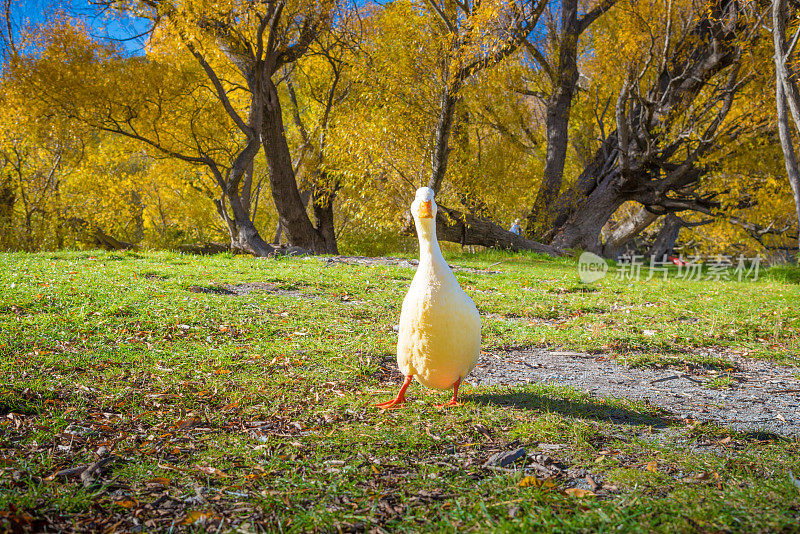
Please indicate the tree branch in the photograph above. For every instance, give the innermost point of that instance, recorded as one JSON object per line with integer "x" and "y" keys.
{"x": 220, "y": 90}
{"x": 449, "y": 26}
{"x": 586, "y": 20}
{"x": 540, "y": 59}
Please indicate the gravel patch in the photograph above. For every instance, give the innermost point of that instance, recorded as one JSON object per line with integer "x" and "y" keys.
{"x": 761, "y": 397}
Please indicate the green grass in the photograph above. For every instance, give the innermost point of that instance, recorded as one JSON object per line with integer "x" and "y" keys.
{"x": 720, "y": 382}
{"x": 258, "y": 407}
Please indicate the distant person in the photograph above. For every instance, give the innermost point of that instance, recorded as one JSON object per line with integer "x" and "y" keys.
{"x": 515, "y": 228}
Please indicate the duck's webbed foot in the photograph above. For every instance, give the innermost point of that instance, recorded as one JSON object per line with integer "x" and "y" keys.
{"x": 454, "y": 400}
{"x": 401, "y": 396}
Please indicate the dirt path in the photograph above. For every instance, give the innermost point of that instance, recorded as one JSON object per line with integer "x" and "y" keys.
{"x": 762, "y": 396}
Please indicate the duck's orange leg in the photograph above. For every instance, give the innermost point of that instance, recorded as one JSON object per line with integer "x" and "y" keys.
{"x": 454, "y": 400}
{"x": 401, "y": 396}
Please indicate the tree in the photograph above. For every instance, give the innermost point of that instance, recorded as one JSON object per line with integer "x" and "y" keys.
{"x": 238, "y": 48}
{"x": 384, "y": 135}
{"x": 57, "y": 190}
{"x": 561, "y": 71}
{"x": 596, "y": 121}
{"x": 33, "y": 155}
{"x": 787, "y": 95}
{"x": 479, "y": 35}
{"x": 258, "y": 39}
{"x": 666, "y": 129}
{"x": 322, "y": 80}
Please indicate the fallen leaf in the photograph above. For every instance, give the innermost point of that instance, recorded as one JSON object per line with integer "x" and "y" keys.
{"x": 213, "y": 471}
{"x": 579, "y": 493}
{"x": 126, "y": 503}
{"x": 197, "y": 516}
{"x": 533, "y": 482}
{"x": 186, "y": 423}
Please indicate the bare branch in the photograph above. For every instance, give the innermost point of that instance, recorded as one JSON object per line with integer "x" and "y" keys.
{"x": 586, "y": 20}
{"x": 220, "y": 90}
{"x": 622, "y": 126}
{"x": 273, "y": 19}
{"x": 540, "y": 59}
{"x": 449, "y": 26}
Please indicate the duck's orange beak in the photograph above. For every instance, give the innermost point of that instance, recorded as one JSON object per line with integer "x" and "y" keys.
{"x": 425, "y": 211}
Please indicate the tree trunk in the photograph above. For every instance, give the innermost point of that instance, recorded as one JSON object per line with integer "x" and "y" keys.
{"x": 246, "y": 191}
{"x": 786, "y": 94}
{"x": 465, "y": 229}
{"x": 323, "y": 215}
{"x": 559, "y": 106}
{"x": 96, "y": 235}
{"x": 7, "y": 199}
{"x": 666, "y": 238}
{"x": 789, "y": 156}
{"x": 626, "y": 231}
{"x": 582, "y": 228}
{"x": 222, "y": 211}
{"x": 247, "y": 239}
{"x": 292, "y": 214}
{"x": 305, "y": 196}
{"x": 108, "y": 242}
{"x": 441, "y": 138}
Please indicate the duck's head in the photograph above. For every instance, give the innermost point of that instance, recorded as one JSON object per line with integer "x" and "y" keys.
{"x": 424, "y": 207}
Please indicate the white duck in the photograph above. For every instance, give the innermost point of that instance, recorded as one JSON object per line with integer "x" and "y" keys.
{"x": 439, "y": 339}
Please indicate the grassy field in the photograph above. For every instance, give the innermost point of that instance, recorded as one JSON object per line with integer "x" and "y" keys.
{"x": 218, "y": 411}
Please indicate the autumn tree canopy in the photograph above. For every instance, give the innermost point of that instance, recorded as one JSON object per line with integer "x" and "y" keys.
{"x": 606, "y": 125}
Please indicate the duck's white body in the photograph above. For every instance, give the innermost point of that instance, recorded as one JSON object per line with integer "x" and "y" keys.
{"x": 439, "y": 338}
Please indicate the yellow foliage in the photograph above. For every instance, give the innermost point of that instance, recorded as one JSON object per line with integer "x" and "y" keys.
{"x": 64, "y": 100}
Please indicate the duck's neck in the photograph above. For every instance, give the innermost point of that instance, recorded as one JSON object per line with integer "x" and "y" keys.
{"x": 429, "y": 251}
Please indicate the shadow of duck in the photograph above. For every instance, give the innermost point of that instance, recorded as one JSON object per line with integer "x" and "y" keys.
{"x": 594, "y": 409}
